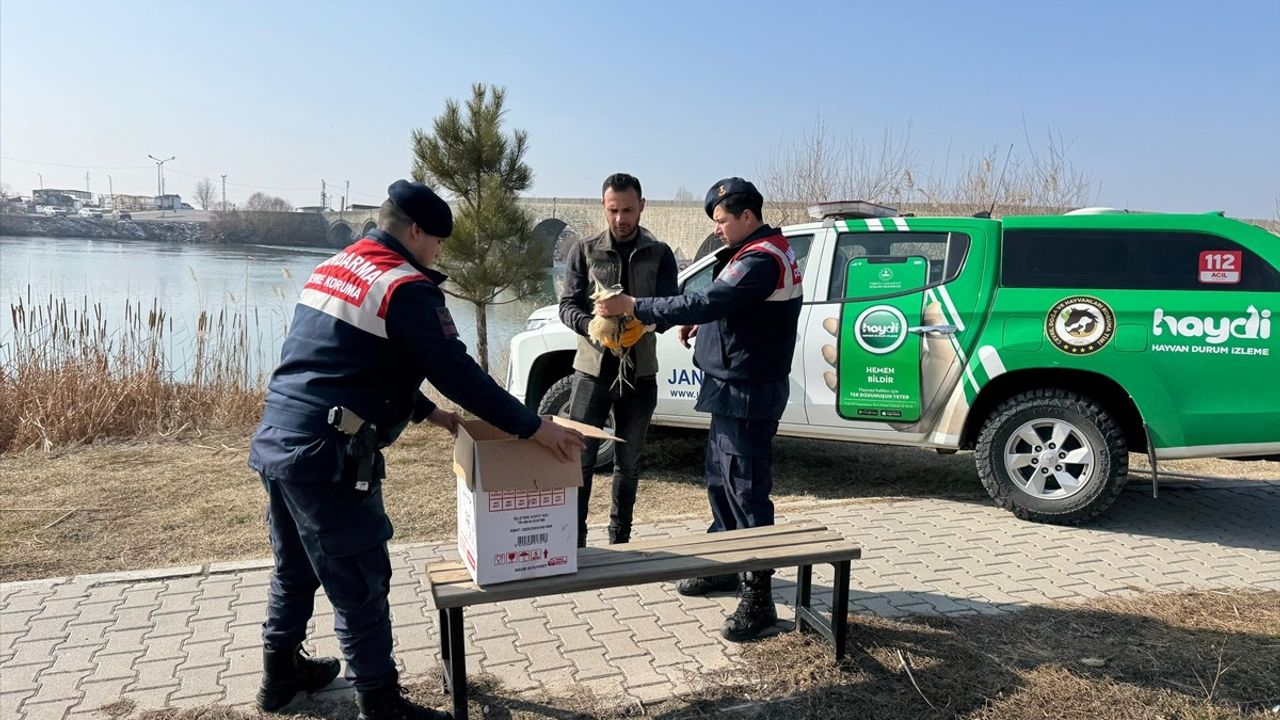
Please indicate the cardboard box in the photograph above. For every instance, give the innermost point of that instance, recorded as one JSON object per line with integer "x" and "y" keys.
{"x": 517, "y": 504}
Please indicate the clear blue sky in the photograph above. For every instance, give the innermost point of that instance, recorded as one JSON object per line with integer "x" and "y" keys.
{"x": 1168, "y": 105}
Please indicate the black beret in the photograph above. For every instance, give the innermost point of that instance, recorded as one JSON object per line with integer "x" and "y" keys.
{"x": 726, "y": 187}
{"x": 423, "y": 206}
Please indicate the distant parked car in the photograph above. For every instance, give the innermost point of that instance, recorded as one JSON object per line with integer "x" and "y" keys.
{"x": 53, "y": 211}
{"x": 120, "y": 215}
{"x": 186, "y": 206}
{"x": 90, "y": 213}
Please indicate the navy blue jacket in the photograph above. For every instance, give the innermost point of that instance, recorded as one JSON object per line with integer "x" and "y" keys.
{"x": 747, "y": 321}
{"x": 370, "y": 325}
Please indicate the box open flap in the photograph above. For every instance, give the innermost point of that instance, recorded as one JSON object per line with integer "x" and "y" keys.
{"x": 491, "y": 460}
{"x": 590, "y": 431}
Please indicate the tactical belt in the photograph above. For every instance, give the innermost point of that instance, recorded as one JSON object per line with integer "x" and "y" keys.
{"x": 316, "y": 423}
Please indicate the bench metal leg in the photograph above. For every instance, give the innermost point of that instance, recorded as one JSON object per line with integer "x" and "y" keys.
{"x": 453, "y": 656}
{"x": 804, "y": 591}
{"x": 836, "y": 630}
{"x": 840, "y": 608}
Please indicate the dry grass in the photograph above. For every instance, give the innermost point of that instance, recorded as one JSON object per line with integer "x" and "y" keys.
{"x": 191, "y": 499}
{"x": 1196, "y": 655}
{"x": 68, "y": 378}
{"x": 1205, "y": 655}
{"x": 154, "y": 503}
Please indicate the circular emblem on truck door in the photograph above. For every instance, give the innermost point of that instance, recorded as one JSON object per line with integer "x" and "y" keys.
{"x": 880, "y": 329}
{"x": 1080, "y": 325}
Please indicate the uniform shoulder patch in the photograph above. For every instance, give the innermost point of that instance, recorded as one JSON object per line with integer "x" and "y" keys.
{"x": 733, "y": 273}
{"x": 446, "y": 322}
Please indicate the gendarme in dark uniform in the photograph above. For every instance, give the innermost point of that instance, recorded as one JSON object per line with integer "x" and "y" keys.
{"x": 369, "y": 327}
{"x": 746, "y": 335}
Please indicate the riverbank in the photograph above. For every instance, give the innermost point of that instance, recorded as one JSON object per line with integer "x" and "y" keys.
{"x": 275, "y": 228}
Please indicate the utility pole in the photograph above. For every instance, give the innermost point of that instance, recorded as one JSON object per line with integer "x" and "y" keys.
{"x": 86, "y": 184}
{"x": 111, "y": 192}
{"x": 346, "y": 194}
{"x": 324, "y": 202}
{"x": 224, "y": 192}
{"x": 160, "y": 180}
{"x": 41, "y": 176}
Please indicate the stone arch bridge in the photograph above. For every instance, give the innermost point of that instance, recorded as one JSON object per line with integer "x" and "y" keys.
{"x": 558, "y": 222}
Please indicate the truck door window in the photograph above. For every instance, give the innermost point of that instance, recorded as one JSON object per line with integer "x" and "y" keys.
{"x": 945, "y": 253}
{"x": 1124, "y": 260}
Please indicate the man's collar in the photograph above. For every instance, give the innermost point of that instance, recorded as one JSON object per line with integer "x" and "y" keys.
{"x": 398, "y": 248}
{"x": 643, "y": 238}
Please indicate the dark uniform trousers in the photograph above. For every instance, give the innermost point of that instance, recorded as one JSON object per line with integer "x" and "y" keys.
{"x": 739, "y": 472}
{"x": 590, "y": 401}
{"x": 333, "y": 535}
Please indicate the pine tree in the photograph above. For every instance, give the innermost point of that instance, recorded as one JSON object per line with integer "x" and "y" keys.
{"x": 491, "y": 250}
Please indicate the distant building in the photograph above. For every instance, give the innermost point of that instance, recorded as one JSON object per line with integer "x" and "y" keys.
{"x": 358, "y": 206}
{"x": 312, "y": 208}
{"x": 128, "y": 202}
{"x": 61, "y": 198}
{"x": 166, "y": 202}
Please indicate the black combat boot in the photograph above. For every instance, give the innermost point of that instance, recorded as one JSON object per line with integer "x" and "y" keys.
{"x": 756, "y": 612}
{"x": 387, "y": 703}
{"x": 288, "y": 671}
{"x": 696, "y": 587}
{"x": 619, "y": 534}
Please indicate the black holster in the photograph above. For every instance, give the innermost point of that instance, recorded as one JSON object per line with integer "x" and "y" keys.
{"x": 361, "y": 454}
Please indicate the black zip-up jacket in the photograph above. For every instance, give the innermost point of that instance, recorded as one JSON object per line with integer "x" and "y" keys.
{"x": 651, "y": 272}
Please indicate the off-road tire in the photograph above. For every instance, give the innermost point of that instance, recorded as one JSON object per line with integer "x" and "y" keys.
{"x": 1098, "y": 428}
{"x": 555, "y": 401}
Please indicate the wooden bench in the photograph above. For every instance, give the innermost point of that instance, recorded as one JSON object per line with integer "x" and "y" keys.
{"x": 802, "y": 545}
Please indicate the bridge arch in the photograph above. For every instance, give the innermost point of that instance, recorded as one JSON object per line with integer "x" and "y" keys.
{"x": 545, "y": 236}
{"x": 369, "y": 226}
{"x": 340, "y": 234}
{"x": 564, "y": 241}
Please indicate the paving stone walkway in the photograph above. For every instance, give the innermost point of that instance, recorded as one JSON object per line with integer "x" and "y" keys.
{"x": 187, "y": 636}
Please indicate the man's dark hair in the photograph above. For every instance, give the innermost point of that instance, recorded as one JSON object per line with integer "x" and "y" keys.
{"x": 622, "y": 182}
{"x": 737, "y": 202}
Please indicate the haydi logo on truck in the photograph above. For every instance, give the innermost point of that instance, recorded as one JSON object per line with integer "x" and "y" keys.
{"x": 881, "y": 329}
{"x": 1216, "y": 331}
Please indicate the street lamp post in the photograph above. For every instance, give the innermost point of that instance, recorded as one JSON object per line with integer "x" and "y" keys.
{"x": 160, "y": 180}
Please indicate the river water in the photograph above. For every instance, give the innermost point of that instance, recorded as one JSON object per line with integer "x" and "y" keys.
{"x": 256, "y": 281}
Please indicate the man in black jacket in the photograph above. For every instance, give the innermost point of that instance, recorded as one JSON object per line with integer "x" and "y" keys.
{"x": 629, "y": 256}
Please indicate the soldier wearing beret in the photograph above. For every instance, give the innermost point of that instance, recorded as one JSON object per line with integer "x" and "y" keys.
{"x": 370, "y": 325}
{"x": 628, "y": 255}
{"x": 745, "y": 322}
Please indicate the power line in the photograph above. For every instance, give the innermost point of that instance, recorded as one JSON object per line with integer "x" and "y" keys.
{"x": 77, "y": 167}
{"x": 245, "y": 185}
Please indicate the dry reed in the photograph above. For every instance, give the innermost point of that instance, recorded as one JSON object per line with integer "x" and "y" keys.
{"x": 69, "y": 375}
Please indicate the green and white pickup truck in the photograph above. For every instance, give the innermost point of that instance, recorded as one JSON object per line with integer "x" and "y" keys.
{"x": 1052, "y": 346}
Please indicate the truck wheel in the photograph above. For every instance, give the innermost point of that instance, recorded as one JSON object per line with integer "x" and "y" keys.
{"x": 556, "y": 402}
{"x": 1052, "y": 456}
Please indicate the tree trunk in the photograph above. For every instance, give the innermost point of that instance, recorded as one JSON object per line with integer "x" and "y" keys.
{"x": 482, "y": 336}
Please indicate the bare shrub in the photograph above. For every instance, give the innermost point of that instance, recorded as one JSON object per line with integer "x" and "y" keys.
{"x": 817, "y": 168}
